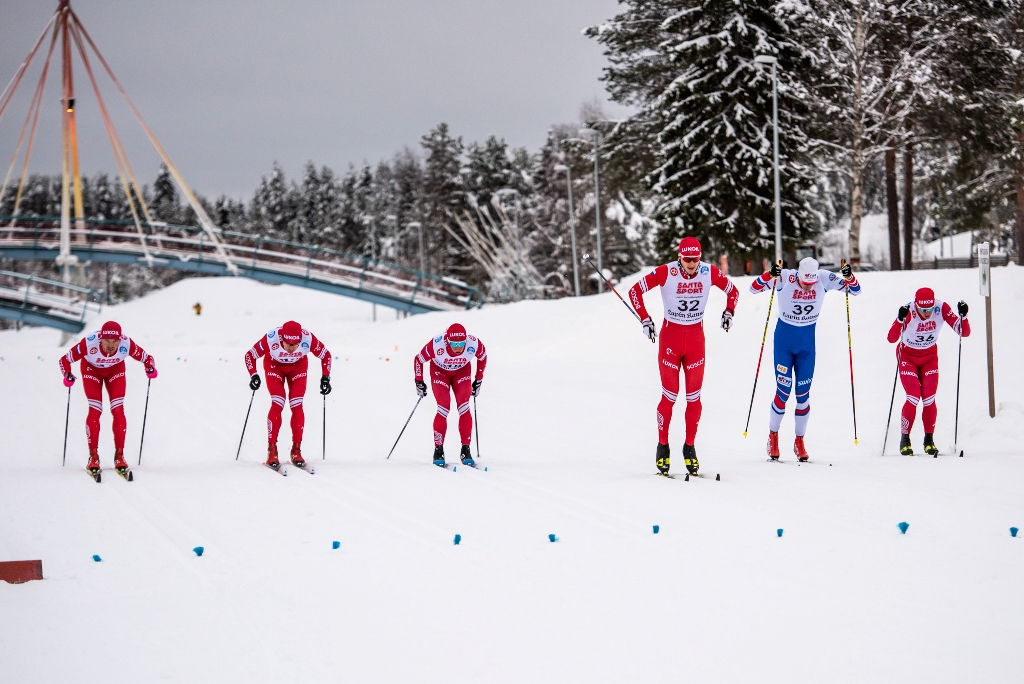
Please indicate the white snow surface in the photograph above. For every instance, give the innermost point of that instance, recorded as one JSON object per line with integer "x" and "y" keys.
{"x": 567, "y": 413}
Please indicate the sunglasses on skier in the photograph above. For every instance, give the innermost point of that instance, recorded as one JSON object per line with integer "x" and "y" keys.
{"x": 926, "y": 309}
{"x": 689, "y": 260}
{"x": 457, "y": 345}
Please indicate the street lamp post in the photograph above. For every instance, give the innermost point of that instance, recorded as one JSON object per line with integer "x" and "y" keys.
{"x": 594, "y": 136}
{"x": 423, "y": 261}
{"x": 560, "y": 168}
{"x": 368, "y": 221}
{"x": 769, "y": 59}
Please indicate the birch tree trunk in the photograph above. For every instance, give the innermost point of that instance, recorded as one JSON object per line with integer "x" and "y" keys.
{"x": 908, "y": 204}
{"x": 892, "y": 206}
{"x": 1018, "y": 218}
{"x": 857, "y": 170}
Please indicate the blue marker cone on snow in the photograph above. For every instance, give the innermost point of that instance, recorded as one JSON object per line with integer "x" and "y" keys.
{"x": 454, "y": 468}
{"x": 779, "y": 531}
{"x": 458, "y": 538}
{"x": 96, "y": 558}
{"x": 903, "y": 527}
{"x": 552, "y": 538}
{"x": 335, "y": 544}
{"x": 198, "y": 550}
{"x": 656, "y": 528}
{"x": 1014, "y": 531}
{"x": 485, "y": 469}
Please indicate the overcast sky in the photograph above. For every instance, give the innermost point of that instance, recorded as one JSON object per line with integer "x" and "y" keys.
{"x": 230, "y": 86}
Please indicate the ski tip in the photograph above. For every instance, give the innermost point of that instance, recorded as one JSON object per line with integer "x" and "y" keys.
{"x": 131, "y": 476}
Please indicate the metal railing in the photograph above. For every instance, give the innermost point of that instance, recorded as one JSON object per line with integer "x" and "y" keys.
{"x": 21, "y": 299}
{"x": 258, "y": 257}
{"x": 962, "y": 262}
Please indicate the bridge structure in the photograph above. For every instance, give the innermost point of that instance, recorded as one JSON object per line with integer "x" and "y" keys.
{"x": 39, "y": 301}
{"x": 269, "y": 260}
{"x": 73, "y": 239}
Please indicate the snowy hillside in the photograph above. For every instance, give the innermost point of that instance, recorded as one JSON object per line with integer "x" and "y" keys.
{"x": 567, "y": 418}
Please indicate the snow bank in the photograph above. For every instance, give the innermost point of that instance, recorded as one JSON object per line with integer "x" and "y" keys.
{"x": 568, "y": 433}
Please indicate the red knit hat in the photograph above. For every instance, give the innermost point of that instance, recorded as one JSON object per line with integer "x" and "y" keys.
{"x": 689, "y": 246}
{"x": 925, "y": 298}
{"x": 455, "y": 333}
{"x": 291, "y": 332}
{"x": 111, "y": 330}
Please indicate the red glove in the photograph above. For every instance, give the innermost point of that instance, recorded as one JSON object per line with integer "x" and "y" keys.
{"x": 151, "y": 372}
{"x": 69, "y": 379}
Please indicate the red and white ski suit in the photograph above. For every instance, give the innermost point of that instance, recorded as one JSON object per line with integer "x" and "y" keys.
{"x": 918, "y": 353}
{"x": 281, "y": 367}
{"x": 98, "y": 370}
{"x": 451, "y": 372}
{"x": 681, "y": 341}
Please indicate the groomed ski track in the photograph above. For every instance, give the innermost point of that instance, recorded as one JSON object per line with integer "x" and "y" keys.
{"x": 568, "y": 435}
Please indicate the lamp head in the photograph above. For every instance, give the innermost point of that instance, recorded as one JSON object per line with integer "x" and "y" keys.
{"x": 766, "y": 59}
{"x": 561, "y": 168}
{"x": 588, "y": 133}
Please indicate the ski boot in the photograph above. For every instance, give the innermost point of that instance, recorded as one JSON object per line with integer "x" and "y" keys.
{"x": 799, "y": 450}
{"x": 296, "y": 455}
{"x": 690, "y": 459}
{"x": 94, "y": 462}
{"x": 905, "y": 448}
{"x": 466, "y": 457}
{"x": 773, "y": 445}
{"x": 929, "y": 445}
{"x": 661, "y": 459}
{"x": 439, "y": 456}
{"x": 272, "y": 461}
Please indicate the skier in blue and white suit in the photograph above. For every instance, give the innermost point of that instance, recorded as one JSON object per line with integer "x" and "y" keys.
{"x": 801, "y": 294}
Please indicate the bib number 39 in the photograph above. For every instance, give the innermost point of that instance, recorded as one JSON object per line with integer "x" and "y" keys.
{"x": 803, "y": 309}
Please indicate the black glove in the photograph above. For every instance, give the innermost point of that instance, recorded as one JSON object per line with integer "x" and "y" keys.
{"x": 255, "y": 382}
{"x": 421, "y": 388}
{"x": 726, "y": 320}
{"x": 649, "y": 330}
{"x": 961, "y": 308}
{"x": 476, "y": 387}
{"x": 904, "y": 312}
{"x": 847, "y": 271}
{"x": 775, "y": 270}
{"x": 325, "y": 385}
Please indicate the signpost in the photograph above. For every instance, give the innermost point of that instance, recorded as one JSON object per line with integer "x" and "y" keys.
{"x": 985, "y": 283}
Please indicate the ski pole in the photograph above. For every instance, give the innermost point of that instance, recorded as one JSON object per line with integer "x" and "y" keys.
{"x": 476, "y": 426}
{"x": 245, "y": 424}
{"x": 324, "y": 458}
{"x": 849, "y": 345}
{"x": 956, "y": 418}
{"x": 892, "y": 399}
{"x": 405, "y": 426}
{"x": 67, "y": 417}
{"x": 767, "y": 320}
{"x": 145, "y": 413}
{"x": 586, "y": 257}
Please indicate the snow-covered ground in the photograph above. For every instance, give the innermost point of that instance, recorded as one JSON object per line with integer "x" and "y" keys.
{"x": 568, "y": 434}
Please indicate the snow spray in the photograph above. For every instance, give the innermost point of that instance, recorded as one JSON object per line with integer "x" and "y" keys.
{"x": 335, "y": 544}
{"x": 198, "y": 550}
{"x": 779, "y": 531}
{"x": 458, "y": 538}
{"x": 96, "y": 558}
{"x": 657, "y": 528}
{"x": 552, "y": 538}
{"x": 903, "y": 527}
{"x": 1014, "y": 531}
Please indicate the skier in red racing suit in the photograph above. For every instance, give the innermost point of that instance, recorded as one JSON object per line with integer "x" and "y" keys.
{"x": 917, "y": 329}
{"x": 685, "y": 286}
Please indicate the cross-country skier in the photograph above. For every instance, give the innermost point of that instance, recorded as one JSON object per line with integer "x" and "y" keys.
{"x": 685, "y": 286}
{"x": 449, "y": 356}
{"x": 801, "y": 294}
{"x": 102, "y": 354}
{"x": 284, "y": 350}
{"x": 918, "y": 352}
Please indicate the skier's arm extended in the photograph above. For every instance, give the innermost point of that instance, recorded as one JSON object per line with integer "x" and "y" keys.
{"x": 655, "y": 278}
{"x": 838, "y": 282}
{"x": 421, "y": 359}
{"x": 74, "y": 354}
{"x": 481, "y": 360}
{"x": 763, "y": 282}
{"x": 140, "y": 355}
{"x": 258, "y": 350}
{"x": 722, "y": 282}
{"x": 317, "y": 349}
{"x": 953, "y": 320}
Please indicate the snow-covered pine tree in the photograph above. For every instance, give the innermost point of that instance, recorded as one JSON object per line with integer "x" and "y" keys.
{"x": 165, "y": 204}
{"x": 444, "y": 195}
{"x": 690, "y": 68}
{"x": 273, "y": 207}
